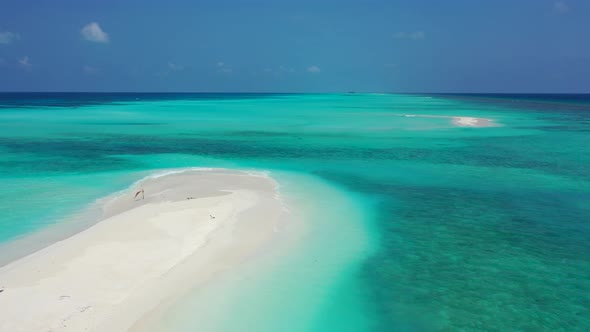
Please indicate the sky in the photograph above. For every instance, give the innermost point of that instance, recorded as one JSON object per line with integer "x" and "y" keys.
{"x": 529, "y": 46}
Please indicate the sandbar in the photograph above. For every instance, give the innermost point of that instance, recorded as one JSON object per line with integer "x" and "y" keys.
{"x": 460, "y": 121}
{"x": 182, "y": 231}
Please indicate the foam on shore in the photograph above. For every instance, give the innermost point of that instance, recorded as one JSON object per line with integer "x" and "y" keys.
{"x": 191, "y": 226}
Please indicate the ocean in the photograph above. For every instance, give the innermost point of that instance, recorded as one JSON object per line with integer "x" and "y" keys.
{"x": 415, "y": 224}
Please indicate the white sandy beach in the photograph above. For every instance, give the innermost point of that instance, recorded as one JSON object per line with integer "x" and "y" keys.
{"x": 190, "y": 228}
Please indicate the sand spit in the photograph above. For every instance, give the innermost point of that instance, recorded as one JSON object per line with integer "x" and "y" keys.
{"x": 184, "y": 230}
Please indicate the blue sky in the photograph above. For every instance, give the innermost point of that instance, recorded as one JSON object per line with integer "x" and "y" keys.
{"x": 295, "y": 46}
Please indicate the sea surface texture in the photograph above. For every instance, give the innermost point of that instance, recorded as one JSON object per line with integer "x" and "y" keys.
{"x": 423, "y": 225}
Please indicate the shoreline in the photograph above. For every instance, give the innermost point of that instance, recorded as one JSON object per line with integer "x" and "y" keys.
{"x": 192, "y": 226}
{"x": 301, "y": 274}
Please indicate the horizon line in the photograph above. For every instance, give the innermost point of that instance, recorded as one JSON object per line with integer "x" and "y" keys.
{"x": 311, "y": 93}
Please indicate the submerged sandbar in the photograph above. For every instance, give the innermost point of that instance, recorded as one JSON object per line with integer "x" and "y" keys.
{"x": 460, "y": 121}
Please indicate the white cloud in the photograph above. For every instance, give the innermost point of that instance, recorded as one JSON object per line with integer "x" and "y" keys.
{"x": 287, "y": 69}
{"x": 25, "y": 62}
{"x": 416, "y": 35}
{"x": 224, "y": 68}
{"x": 92, "y": 32}
{"x": 314, "y": 69}
{"x": 399, "y": 35}
{"x": 172, "y": 66}
{"x": 7, "y": 37}
{"x": 561, "y": 7}
{"x": 279, "y": 71}
{"x": 89, "y": 70}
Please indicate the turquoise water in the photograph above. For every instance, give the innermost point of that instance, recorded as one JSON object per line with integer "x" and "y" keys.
{"x": 304, "y": 284}
{"x": 454, "y": 228}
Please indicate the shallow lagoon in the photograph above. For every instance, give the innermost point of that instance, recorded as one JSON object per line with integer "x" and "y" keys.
{"x": 459, "y": 228}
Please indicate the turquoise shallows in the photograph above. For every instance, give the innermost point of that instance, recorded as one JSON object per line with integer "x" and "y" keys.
{"x": 430, "y": 227}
